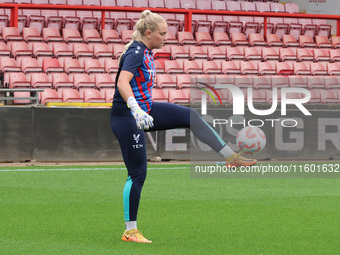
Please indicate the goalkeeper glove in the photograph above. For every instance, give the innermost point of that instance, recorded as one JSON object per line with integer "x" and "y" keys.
{"x": 143, "y": 120}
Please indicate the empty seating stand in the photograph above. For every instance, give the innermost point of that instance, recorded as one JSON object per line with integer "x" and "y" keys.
{"x": 69, "y": 54}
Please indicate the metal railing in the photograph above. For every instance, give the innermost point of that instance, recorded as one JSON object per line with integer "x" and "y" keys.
{"x": 34, "y": 97}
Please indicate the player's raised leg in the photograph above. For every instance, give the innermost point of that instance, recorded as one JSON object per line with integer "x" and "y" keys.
{"x": 168, "y": 116}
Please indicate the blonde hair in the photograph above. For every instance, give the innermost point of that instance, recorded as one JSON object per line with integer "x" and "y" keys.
{"x": 147, "y": 21}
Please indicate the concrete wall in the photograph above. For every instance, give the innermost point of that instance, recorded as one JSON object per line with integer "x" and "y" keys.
{"x": 80, "y": 134}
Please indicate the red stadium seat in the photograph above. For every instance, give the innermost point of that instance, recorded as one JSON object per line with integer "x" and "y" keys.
{"x": 165, "y": 81}
{"x": 306, "y": 41}
{"x": 315, "y": 96}
{"x": 4, "y": 20}
{"x": 244, "y": 81}
{"x": 305, "y": 54}
{"x": 322, "y": 55}
{"x": 92, "y": 96}
{"x": 55, "y": 22}
{"x": 61, "y": 81}
{"x": 9, "y": 65}
{"x": 186, "y": 38}
{"x": 91, "y": 36}
{"x": 197, "y": 52}
{"x": 221, "y": 38}
{"x": 175, "y": 4}
{"x": 93, "y": 66}
{"x": 30, "y": 65}
{"x": 256, "y": 40}
{"x": 266, "y": 68}
{"x": 172, "y": 66}
{"x": 290, "y": 41}
{"x": 309, "y": 28}
{"x": 83, "y": 80}
{"x": 40, "y": 80}
{"x": 330, "y": 96}
{"x": 111, "y": 65}
{"x": 82, "y": 50}
{"x": 72, "y": 65}
{"x": 211, "y": 67}
{"x": 11, "y": 34}
{"x": 177, "y": 97}
{"x": 122, "y": 21}
{"x": 235, "y": 53}
{"x": 322, "y": 41}
{"x": 239, "y": 39}
{"x": 41, "y": 50}
{"x": 284, "y": 68}
{"x": 273, "y": 40}
{"x": 70, "y": 96}
{"x": 335, "y": 55}
{"x": 61, "y": 50}
{"x": 298, "y": 81}
{"x": 192, "y": 67}
{"x": 185, "y": 80}
{"x": 190, "y": 4}
{"x": 231, "y": 67}
{"x": 18, "y": 80}
{"x": 72, "y": 36}
{"x": 178, "y": 51}
{"x": 335, "y": 40}
{"x": 162, "y": 53}
{"x": 262, "y": 82}
{"x": 111, "y": 36}
{"x": 108, "y": 94}
{"x": 324, "y": 29}
{"x": 89, "y": 22}
{"x": 249, "y": 68}
{"x": 302, "y": 68}
{"x": 51, "y": 65}
{"x": 280, "y": 81}
{"x": 319, "y": 68}
{"x": 217, "y": 53}
{"x": 118, "y": 49}
{"x": 270, "y": 54}
{"x": 253, "y": 53}
{"x": 20, "y": 49}
{"x": 4, "y": 51}
{"x": 49, "y": 95}
{"x": 31, "y": 34}
{"x": 295, "y": 27}
{"x": 333, "y": 68}
{"x": 316, "y": 82}
{"x": 158, "y": 95}
{"x": 104, "y": 80}
{"x": 127, "y": 35}
{"x": 171, "y": 38}
{"x": 288, "y": 54}
{"x": 204, "y": 38}
{"x": 332, "y": 82}
{"x": 159, "y": 66}
{"x": 102, "y": 52}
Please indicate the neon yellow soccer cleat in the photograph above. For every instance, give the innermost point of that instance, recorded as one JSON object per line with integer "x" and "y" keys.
{"x": 134, "y": 235}
{"x": 237, "y": 160}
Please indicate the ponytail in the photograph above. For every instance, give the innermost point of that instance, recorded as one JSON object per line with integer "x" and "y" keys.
{"x": 147, "y": 21}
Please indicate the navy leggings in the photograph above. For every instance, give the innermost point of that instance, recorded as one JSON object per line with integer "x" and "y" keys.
{"x": 132, "y": 143}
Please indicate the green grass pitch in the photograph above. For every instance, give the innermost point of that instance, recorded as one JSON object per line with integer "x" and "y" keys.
{"x": 79, "y": 210}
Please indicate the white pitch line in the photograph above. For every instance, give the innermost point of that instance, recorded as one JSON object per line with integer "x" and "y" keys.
{"x": 79, "y": 169}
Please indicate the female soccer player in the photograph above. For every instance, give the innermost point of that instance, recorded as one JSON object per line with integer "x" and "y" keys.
{"x": 133, "y": 112}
